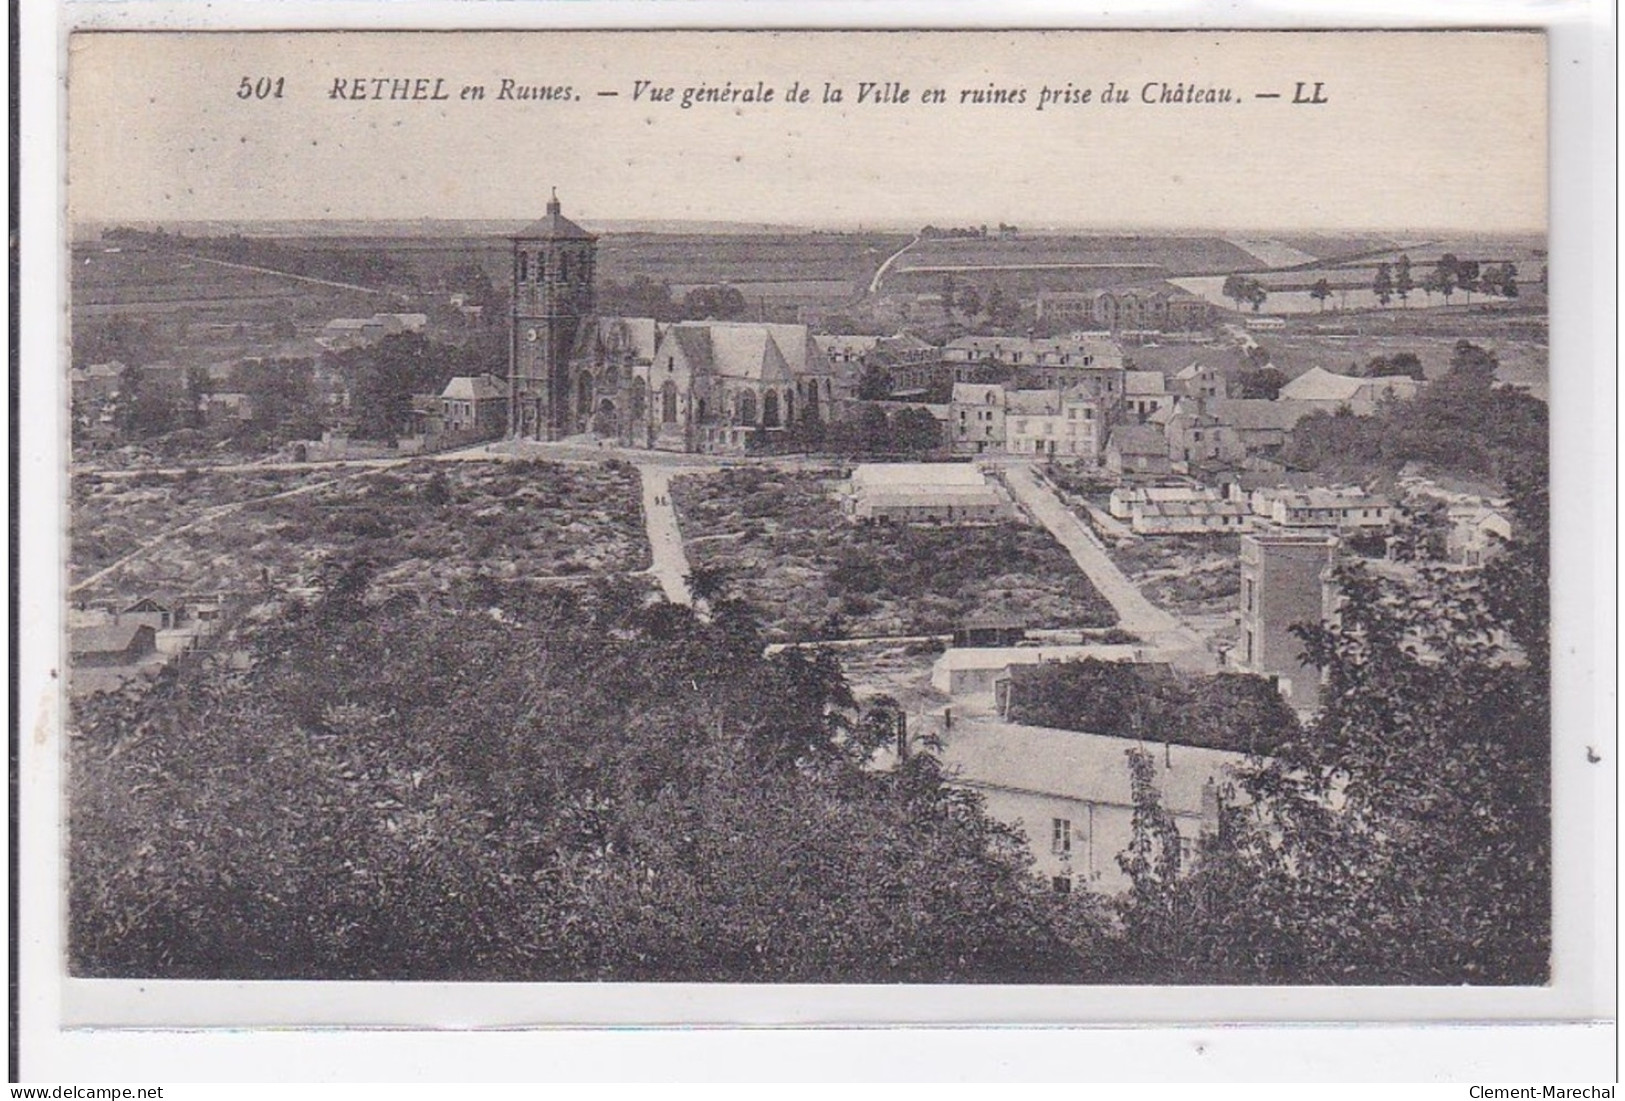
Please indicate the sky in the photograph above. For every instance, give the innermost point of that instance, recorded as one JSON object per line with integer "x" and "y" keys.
{"x": 1438, "y": 131}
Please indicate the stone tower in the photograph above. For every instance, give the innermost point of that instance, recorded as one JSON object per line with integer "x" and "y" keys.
{"x": 553, "y": 262}
{"x": 1284, "y": 582}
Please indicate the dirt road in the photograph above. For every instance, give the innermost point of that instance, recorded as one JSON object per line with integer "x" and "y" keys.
{"x": 1134, "y": 611}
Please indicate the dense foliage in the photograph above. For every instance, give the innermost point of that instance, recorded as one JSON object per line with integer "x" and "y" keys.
{"x": 1461, "y": 424}
{"x": 811, "y": 572}
{"x": 383, "y": 377}
{"x": 521, "y": 786}
{"x": 1406, "y": 836}
{"x": 1232, "y": 711}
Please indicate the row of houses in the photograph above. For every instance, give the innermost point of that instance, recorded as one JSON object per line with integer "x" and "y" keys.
{"x": 1191, "y": 508}
{"x": 355, "y": 332}
{"x": 1127, "y": 310}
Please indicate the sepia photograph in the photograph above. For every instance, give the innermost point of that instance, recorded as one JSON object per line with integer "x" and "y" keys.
{"x": 1035, "y": 507}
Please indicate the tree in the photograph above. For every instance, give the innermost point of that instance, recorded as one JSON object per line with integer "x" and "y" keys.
{"x": 1236, "y": 288}
{"x": 150, "y": 413}
{"x": 281, "y": 396}
{"x": 916, "y": 430}
{"x": 1467, "y": 276}
{"x": 1400, "y": 363}
{"x": 995, "y": 303}
{"x": 438, "y": 791}
{"x": 1445, "y": 275}
{"x": 875, "y": 383}
{"x": 1256, "y": 294}
{"x": 970, "y": 302}
{"x": 1321, "y": 291}
{"x": 1404, "y": 283}
{"x": 949, "y": 287}
{"x": 640, "y": 297}
{"x": 198, "y": 388}
{"x": 1383, "y": 285}
{"x": 719, "y": 303}
{"x": 1264, "y": 383}
{"x": 1405, "y": 837}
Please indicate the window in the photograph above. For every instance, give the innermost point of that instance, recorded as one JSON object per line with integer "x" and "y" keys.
{"x": 524, "y": 267}
{"x": 1061, "y": 836}
{"x": 1062, "y": 884}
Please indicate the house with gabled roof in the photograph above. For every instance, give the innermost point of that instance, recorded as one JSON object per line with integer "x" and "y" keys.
{"x": 1322, "y": 390}
{"x": 474, "y": 403}
{"x": 1138, "y": 450}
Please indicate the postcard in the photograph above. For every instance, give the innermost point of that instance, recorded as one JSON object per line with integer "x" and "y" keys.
{"x": 935, "y": 526}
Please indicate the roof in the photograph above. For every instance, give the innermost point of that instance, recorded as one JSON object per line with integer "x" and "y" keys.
{"x": 1257, "y": 414}
{"x": 109, "y": 638}
{"x": 846, "y": 342}
{"x": 1134, "y": 494}
{"x": 1088, "y": 767}
{"x": 932, "y": 496}
{"x": 1333, "y": 498}
{"x": 905, "y": 342}
{"x": 744, "y": 350}
{"x": 997, "y": 657}
{"x": 893, "y": 476}
{"x": 1138, "y": 439}
{"x": 154, "y": 602}
{"x": 1032, "y": 402}
{"x": 553, "y": 226}
{"x": 474, "y": 388}
{"x": 1144, "y": 383}
{"x": 977, "y": 393}
{"x": 1319, "y": 384}
{"x": 982, "y": 621}
{"x": 1179, "y": 509}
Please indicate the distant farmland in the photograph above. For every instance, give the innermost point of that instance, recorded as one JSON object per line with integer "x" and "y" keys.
{"x": 155, "y": 282}
{"x": 1027, "y": 265}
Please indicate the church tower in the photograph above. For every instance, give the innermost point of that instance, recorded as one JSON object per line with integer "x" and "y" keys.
{"x": 553, "y": 262}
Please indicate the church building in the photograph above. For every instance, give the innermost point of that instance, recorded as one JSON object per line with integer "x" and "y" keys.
{"x": 706, "y": 386}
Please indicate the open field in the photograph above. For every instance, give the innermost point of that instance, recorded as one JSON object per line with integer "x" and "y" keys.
{"x": 685, "y": 259}
{"x": 111, "y": 517}
{"x": 179, "y": 288}
{"x": 425, "y": 526}
{"x": 1190, "y": 575}
{"x": 783, "y": 545}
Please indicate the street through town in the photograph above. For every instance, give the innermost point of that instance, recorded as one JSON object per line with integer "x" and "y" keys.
{"x": 1134, "y": 612}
